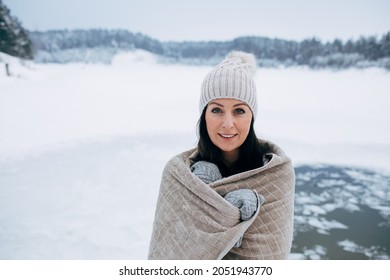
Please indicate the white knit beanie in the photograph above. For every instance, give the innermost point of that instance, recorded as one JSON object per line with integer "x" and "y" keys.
{"x": 232, "y": 78}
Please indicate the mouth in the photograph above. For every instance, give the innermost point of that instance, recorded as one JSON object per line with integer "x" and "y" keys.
{"x": 227, "y": 136}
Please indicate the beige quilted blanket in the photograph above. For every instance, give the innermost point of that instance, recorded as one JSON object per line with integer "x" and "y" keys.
{"x": 193, "y": 220}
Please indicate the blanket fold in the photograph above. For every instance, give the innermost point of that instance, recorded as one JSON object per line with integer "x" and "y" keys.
{"x": 194, "y": 221}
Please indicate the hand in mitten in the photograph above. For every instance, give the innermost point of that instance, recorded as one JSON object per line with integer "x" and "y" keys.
{"x": 208, "y": 172}
{"x": 246, "y": 200}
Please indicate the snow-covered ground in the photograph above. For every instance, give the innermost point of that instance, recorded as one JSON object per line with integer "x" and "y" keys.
{"x": 82, "y": 146}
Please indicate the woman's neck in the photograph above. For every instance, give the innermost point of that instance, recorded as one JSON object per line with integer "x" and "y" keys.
{"x": 231, "y": 157}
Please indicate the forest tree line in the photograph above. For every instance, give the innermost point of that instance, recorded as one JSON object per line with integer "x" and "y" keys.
{"x": 100, "y": 45}
{"x": 363, "y": 52}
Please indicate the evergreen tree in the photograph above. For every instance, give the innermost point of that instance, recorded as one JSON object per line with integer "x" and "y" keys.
{"x": 385, "y": 45}
{"x": 14, "y": 38}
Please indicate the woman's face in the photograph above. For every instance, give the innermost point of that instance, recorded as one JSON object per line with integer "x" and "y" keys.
{"x": 228, "y": 122}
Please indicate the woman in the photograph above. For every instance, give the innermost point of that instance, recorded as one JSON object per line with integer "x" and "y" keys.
{"x": 197, "y": 214}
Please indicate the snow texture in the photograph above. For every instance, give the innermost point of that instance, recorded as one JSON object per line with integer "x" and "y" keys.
{"x": 82, "y": 148}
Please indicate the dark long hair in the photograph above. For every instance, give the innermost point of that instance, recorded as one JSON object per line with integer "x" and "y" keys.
{"x": 250, "y": 157}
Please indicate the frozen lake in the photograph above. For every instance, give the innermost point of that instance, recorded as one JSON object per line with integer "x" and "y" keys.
{"x": 82, "y": 147}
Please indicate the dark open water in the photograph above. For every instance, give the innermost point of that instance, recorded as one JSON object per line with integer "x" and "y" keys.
{"x": 341, "y": 213}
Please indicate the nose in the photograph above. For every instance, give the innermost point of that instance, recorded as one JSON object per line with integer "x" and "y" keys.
{"x": 228, "y": 121}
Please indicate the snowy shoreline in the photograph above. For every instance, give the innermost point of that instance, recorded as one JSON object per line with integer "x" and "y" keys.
{"x": 82, "y": 148}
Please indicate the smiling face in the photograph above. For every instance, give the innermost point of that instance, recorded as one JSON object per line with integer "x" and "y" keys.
{"x": 228, "y": 123}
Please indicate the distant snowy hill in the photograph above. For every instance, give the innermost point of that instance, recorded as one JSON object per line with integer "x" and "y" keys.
{"x": 99, "y": 46}
{"x": 94, "y": 55}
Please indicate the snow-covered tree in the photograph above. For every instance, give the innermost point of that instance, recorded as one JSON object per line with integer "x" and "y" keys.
{"x": 14, "y": 38}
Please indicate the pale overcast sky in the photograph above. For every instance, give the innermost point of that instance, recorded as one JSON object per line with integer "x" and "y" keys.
{"x": 211, "y": 19}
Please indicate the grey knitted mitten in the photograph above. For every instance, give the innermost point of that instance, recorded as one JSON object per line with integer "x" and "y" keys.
{"x": 208, "y": 172}
{"x": 247, "y": 201}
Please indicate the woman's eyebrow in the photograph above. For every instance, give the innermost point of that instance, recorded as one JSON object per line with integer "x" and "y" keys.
{"x": 235, "y": 105}
{"x": 239, "y": 104}
{"x": 218, "y": 104}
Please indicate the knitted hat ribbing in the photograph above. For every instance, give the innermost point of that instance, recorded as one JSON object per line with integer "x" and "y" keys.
{"x": 232, "y": 78}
